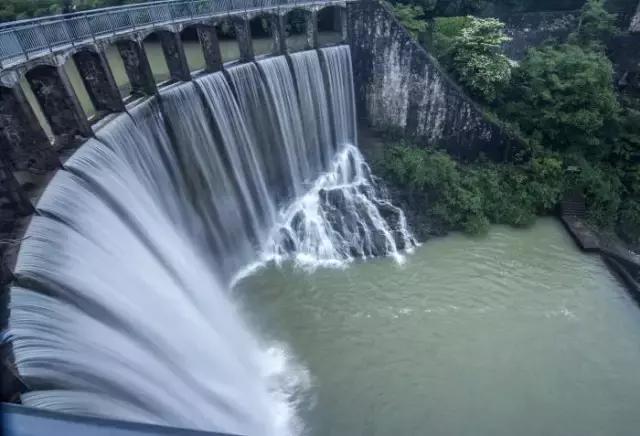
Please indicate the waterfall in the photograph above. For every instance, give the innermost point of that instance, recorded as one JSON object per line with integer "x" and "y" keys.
{"x": 120, "y": 306}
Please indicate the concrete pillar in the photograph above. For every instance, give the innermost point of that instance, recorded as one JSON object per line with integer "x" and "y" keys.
{"x": 137, "y": 67}
{"x": 311, "y": 26}
{"x": 23, "y": 143}
{"x": 208, "y": 36}
{"x": 98, "y": 79}
{"x": 174, "y": 55}
{"x": 243, "y": 36}
{"x": 279, "y": 34}
{"x": 59, "y": 104}
{"x": 341, "y": 17}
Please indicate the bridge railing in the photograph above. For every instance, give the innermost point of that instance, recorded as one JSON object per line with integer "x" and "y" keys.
{"x": 26, "y": 39}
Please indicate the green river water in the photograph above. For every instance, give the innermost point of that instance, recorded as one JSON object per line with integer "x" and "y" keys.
{"x": 516, "y": 333}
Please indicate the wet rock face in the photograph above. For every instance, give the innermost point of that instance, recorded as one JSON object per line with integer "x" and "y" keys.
{"x": 399, "y": 87}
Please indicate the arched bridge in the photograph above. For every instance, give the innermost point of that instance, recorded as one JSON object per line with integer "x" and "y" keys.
{"x": 38, "y": 102}
{"x": 23, "y": 40}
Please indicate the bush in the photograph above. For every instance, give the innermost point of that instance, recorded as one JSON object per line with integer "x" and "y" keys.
{"x": 477, "y": 60}
{"x": 563, "y": 98}
{"x": 470, "y": 48}
{"x": 443, "y": 32}
{"x": 470, "y": 197}
{"x": 411, "y": 17}
{"x": 596, "y": 25}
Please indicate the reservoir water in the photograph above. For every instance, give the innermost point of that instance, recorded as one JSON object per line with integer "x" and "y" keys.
{"x": 517, "y": 333}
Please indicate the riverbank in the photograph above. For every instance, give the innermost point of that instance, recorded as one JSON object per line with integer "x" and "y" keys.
{"x": 621, "y": 260}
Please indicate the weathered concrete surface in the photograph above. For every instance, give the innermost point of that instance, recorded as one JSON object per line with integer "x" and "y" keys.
{"x": 174, "y": 56}
{"x": 208, "y": 36}
{"x": 400, "y": 87}
{"x": 23, "y": 144}
{"x": 137, "y": 67}
{"x": 311, "y": 29}
{"x": 634, "y": 25}
{"x": 98, "y": 79}
{"x": 243, "y": 36}
{"x": 60, "y": 105}
{"x": 279, "y": 34}
{"x": 342, "y": 20}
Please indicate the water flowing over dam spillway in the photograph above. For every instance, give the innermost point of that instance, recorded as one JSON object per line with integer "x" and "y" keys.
{"x": 120, "y": 306}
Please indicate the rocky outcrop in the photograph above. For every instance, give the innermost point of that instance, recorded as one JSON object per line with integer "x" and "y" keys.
{"x": 533, "y": 29}
{"x": 401, "y": 88}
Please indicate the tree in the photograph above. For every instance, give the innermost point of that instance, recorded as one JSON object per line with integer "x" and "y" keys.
{"x": 476, "y": 57}
{"x": 596, "y": 25}
{"x": 563, "y": 97}
{"x": 411, "y": 17}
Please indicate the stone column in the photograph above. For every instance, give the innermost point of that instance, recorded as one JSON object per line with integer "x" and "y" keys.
{"x": 243, "y": 36}
{"x": 23, "y": 143}
{"x": 137, "y": 67}
{"x": 311, "y": 26}
{"x": 208, "y": 36}
{"x": 59, "y": 104}
{"x": 98, "y": 79}
{"x": 279, "y": 34}
{"x": 341, "y": 17}
{"x": 174, "y": 55}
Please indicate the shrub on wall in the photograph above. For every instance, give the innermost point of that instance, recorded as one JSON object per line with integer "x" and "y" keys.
{"x": 470, "y": 197}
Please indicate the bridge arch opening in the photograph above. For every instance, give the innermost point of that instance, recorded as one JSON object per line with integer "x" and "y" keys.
{"x": 262, "y": 34}
{"x": 155, "y": 54}
{"x": 59, "y": 103}
{"x": 33, "y": 103}
{"x": 226, "y": 34}
{"x": 79, "y": 86}
{"x": 299, "y": 24}
{"x": 193, "y": 48}
{"x": 118, "y": 70}
{"x": 331, "y": 25}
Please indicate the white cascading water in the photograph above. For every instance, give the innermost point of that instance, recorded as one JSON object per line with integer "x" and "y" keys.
{"x": 120, "y": 306}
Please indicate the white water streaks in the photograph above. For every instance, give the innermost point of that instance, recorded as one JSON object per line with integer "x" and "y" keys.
{"x": 120, "y": 306}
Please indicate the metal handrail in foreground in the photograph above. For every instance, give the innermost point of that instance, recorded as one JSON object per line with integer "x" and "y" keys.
{"x": 23, "y": 40}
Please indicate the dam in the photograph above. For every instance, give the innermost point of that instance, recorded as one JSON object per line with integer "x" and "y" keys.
{"x": 209, "y": 249}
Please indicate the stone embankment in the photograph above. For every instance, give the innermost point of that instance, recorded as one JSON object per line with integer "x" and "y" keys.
{"x": 622, "y": 261}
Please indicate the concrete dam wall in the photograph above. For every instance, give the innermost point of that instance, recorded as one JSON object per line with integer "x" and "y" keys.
{"x": 401, "y": 88}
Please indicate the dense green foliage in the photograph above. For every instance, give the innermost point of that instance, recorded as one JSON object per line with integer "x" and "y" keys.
{"x": 562, "y": 97}
{"x": 470, "y": 197}
{"x": 582, "y": 135}
{"x": 596, "y": 24}
{"x": 411, "y": 17}
{"x": 470, "y": 49}
{"x": 476, "y": 58}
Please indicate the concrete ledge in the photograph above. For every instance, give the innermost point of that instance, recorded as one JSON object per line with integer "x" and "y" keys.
{"x": 622, "y": 262}
{"x": 21, "y": 421}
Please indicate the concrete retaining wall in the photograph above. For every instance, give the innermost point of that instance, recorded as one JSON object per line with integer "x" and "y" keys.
{"x": 401, "y": 88}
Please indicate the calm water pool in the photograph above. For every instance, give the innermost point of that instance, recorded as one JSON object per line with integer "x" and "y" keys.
{"x": 516, "y": 333}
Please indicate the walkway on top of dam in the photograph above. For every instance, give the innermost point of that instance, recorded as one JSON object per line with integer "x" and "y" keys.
{"x": 25, "y": 40}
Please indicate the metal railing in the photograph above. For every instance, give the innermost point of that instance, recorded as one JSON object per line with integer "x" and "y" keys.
{"x": 27, "y": 39}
